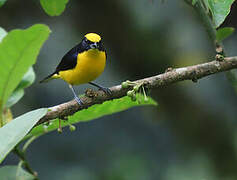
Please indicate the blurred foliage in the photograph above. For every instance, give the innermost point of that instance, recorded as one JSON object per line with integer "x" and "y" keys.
{"x": 232, "y": 77}
{"x": 2, "y": 2}
{"x": 14, "y": 173}
{"x": 18, "y": 93}
{"x": 53, "y": 7}
{"x": 194, "y": 2}
{"x": 129, "y": 167}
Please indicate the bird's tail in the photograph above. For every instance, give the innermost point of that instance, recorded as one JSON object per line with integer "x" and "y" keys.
{"x": 50, "y": 77}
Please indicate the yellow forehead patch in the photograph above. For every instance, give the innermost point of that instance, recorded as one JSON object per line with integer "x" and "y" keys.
{"x": 93, "y": 37}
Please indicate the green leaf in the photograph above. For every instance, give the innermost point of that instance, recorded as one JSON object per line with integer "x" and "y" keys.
{"x": 53, "y": 7}
{"x": 220, "y": 9}
{"x": 3, "y": 33}
{"x": 2, "y": 2}
{"x": 28, "y": 79}
{"x": 223, "y": 33}
{"x": 93, "y": 112}
{"x": 13, "y": 132}
{"x": 194, "y": 2}
{"x": 18, "y": 51}
{"x": 14, "y": 173}
{"x": 18, "y": 93}
{"x": 15, "y": 97}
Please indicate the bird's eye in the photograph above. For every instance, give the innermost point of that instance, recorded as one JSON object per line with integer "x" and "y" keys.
{"x": 87, "y": 41}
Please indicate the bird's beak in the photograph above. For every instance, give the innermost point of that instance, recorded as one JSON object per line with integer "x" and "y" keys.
{"x": 94, "y": 46}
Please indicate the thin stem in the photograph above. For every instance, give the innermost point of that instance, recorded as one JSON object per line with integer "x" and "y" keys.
{"x": 23, "y": 161}
{"x": 144, "y": 93}
{"x": 26, "y": 145}
{"x": 206, "y": 20}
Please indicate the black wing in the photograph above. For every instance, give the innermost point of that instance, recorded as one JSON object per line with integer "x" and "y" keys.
{"x": 69, "y": 60}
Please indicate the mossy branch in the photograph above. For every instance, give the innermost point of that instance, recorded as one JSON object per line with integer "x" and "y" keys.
{"x": 169, "y": 77}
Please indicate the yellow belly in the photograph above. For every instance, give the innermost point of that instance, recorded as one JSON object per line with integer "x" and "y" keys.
{"x": 90, "y": 64}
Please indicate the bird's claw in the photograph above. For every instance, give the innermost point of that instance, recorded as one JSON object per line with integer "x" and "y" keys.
{"x": 106, "y": 90}
{"x": 78, "y": 100}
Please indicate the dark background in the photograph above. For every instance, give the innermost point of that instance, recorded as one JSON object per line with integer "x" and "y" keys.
{"x": 191, "y": 135}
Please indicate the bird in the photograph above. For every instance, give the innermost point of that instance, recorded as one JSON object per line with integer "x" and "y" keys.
{"x": 82, "y": 64}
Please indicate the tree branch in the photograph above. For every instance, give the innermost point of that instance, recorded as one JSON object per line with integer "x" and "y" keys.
{"x": 171, "y": 76}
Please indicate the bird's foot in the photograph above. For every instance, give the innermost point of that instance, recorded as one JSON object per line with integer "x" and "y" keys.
{"x": 79, "y": 101}
{"x": 106, "y": 90}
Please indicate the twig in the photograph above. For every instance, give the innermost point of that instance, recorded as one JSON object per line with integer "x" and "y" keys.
{"x": 175, "y": 75}
{"x": 206, "y": 20}
{"x": 211, "y": 30}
